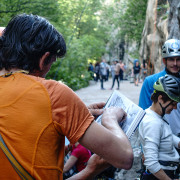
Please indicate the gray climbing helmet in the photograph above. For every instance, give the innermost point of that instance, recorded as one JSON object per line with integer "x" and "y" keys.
{"x": 171, "y": 48}
{"x": 169, "y": 85}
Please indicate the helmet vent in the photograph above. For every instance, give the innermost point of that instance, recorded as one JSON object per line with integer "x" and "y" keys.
{"x": 171, "y": 86}
{"x": 174, "y": 92}
{"x": 170, "y": 50}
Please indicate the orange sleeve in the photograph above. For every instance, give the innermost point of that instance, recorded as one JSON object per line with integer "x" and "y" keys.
{"x": 70, "y": 115}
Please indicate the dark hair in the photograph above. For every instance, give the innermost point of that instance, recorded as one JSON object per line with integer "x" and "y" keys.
{"x": 156, "y": 94}
{"x": 26, "y": 39}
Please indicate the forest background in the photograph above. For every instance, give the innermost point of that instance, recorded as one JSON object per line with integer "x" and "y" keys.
{"x": 91, "y": 28}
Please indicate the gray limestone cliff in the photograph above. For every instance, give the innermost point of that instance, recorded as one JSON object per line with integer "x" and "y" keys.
{"x": 162, "y": 23}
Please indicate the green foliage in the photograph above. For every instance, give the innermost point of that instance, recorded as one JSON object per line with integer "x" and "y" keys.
{"x": 77, "y": 21}
{"x": 87, "y": 26}
{"x": 132, "y": 20}
{"x": 163, "y": 6}
{"x": 72, "y": 79}
{"x": 124, "y": 20}
{"x": 9, "y": 8}
{"x": 73, "y": 69}
{"x": 162, "y": 9}
{"x": 84, "y": 42}
{"x": 134, "y": 54}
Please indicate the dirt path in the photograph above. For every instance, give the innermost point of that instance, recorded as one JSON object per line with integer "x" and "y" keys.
{"x": 93, "y": 93}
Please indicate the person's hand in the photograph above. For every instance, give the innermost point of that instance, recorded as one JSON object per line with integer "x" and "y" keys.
{"x": 96, "y": 164}
{"x": 113, "y": 115}
{"x": 96, "y": 109}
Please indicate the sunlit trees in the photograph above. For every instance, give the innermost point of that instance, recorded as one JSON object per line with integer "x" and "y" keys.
{"x": 87, "y": 26}
{"x": 77, "y": 21}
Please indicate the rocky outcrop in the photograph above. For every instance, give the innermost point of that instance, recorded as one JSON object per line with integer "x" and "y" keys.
{"x": 162, "y": 23}
{"x": 174, "y": 19}
{"x": 154, "y": 34}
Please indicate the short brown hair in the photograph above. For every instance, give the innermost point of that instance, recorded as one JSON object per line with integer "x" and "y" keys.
{"x": 156, "y": 94}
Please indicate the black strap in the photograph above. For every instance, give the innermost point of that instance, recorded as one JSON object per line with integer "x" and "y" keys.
{"x": 168, "y": 163}
{"x": 164, "y": 108}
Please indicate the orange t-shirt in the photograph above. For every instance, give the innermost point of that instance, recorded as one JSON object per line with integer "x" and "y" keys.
{"x": 35, "y": 116}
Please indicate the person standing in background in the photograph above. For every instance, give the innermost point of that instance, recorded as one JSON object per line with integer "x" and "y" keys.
{"x": 144, "y": 69}
{"x": 113, "y": 69}
{"x": 91, "y": 70}
{"x": 97, "y": 71}
{"x": 108, "y": 71}
{"x": 117, "y": 70}
{"x": 121, "y": 71}
{"x": 103, "y": 72}
{"x": 136, "y": 72}
{"x": 79, "y": 157}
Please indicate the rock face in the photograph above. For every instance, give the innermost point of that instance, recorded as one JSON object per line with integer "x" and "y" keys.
{"x": 162, "y": 23}
{"x": 154, "y": 34}
{"x": 174, "y": 19}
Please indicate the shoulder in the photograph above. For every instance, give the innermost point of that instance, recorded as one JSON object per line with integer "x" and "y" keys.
{"x": 53, "y": 86}
{"x": 157, "y": 75}
{"x": 150, "y": 121}
{"x": 153, "y": 78}
{"x": 58, "y": 91}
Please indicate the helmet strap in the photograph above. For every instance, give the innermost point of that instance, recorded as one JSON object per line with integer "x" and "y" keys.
{"x": 164, "y": 108}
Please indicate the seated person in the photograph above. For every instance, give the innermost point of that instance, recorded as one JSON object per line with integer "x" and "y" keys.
{"x": 158, "y": 142}
{"x": 79, "y": 157}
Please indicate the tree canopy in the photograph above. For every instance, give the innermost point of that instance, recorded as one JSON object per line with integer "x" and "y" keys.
{"x": 87, "y": 26}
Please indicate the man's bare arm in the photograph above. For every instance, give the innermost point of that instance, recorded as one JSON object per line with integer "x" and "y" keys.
{"x": 70, "y": 163}
{"x": 109, "y": 142}
{"x": 95, "y": 166}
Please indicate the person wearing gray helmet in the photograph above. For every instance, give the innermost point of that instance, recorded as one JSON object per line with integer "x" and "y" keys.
{"x": 161, "y": 158}
{"x": 171, "y": 60}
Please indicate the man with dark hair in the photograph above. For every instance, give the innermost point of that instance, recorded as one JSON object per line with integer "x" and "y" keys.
{"x": 36, "y": 114}
{"x": 171, "y": 60}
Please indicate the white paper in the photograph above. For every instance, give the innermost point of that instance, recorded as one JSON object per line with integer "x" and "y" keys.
{"x": 134, "y": 112}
